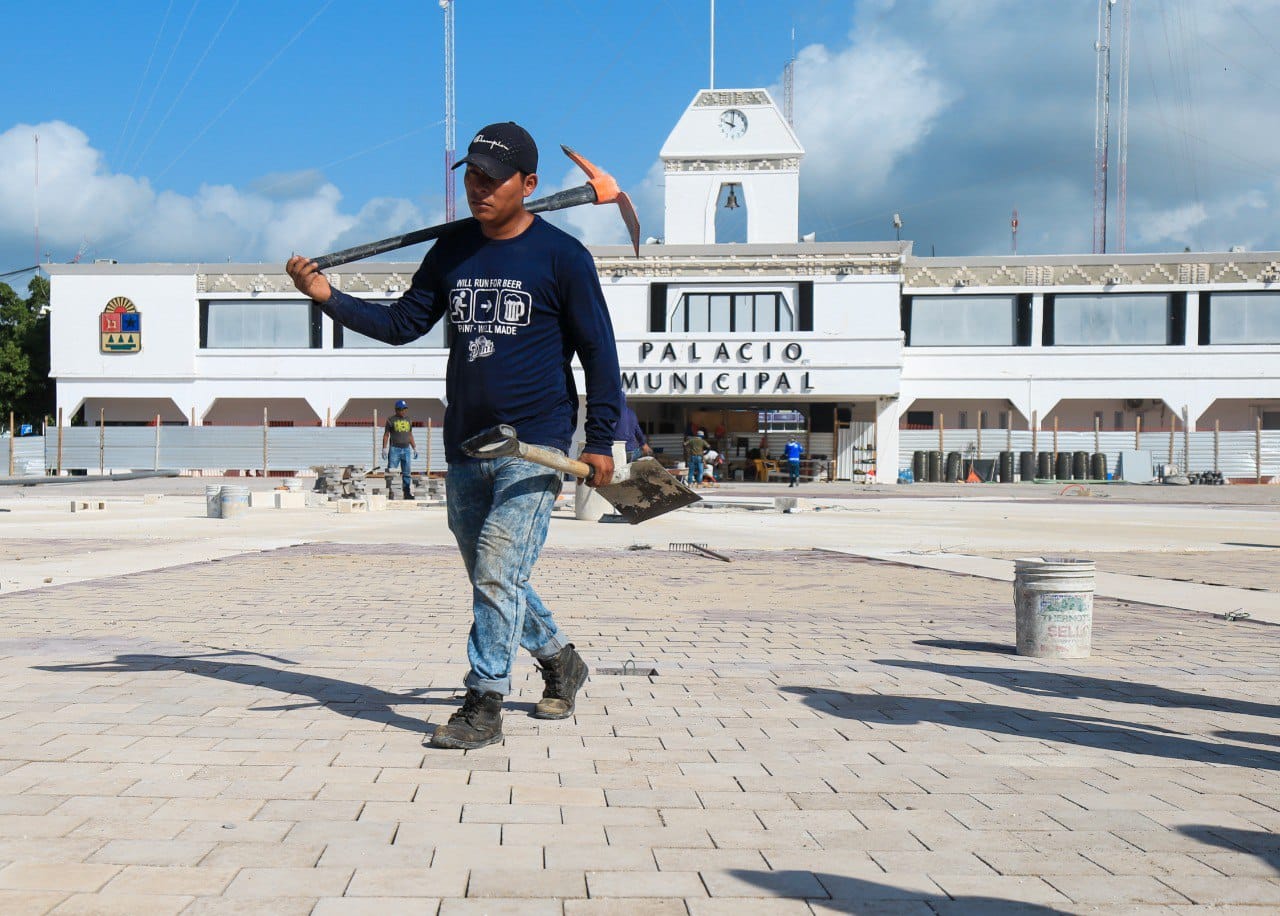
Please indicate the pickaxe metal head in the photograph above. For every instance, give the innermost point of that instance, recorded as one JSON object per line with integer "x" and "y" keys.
{"x": 608, "y": 192}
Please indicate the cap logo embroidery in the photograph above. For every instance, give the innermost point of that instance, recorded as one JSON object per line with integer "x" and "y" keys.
{"x": 481, "y": 138}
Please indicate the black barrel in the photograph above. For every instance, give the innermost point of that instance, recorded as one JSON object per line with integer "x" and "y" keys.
{"x": 1027, "y": 466}
{"x": 1005, "y": 467}
{"x": 935, "y": 466}
{"x": 918, "y": 466}
{"x": 1044, "y": 466}
{"x": 1063, "y": 467}
{"x": 1080, "y": 465}
{"x": 1098, "y": 466}
{"x": 953, "y": 467}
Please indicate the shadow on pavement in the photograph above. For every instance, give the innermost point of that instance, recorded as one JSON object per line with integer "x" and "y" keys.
{"x": 1260, "y": 843}
{"x": 858, "y": 895}
{"x": 1022, "y": 722}
{"x": 969, "y": 645}
{"x": 1079, "y": 686}
{"x": 358, "y": 701}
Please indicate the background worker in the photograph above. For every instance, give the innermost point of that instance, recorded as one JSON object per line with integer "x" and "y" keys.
{"x": 695, "y": 447}
{"x": 792, "y": 452}
{"x": 397, "y": 446}
{"x": 629, "y": 431}
{"x": 523, "y": 297}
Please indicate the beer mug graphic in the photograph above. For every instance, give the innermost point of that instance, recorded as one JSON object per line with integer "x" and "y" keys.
{"x": 516, "y": 308}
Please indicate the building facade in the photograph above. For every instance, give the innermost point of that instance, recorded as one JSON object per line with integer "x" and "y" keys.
{"x": 843, "y": 343}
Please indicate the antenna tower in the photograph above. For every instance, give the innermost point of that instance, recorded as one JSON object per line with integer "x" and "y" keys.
{"x": 1122, "y": 103}
{"x": 36, "y": 198}
{"x": 450, "y": 115}
{"x": 1101, "y": 126}
{"x": 789, "y": 85}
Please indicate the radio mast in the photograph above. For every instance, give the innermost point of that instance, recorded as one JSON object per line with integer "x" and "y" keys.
{"x": 1101, "y": 126}
{"x": 450, "y": 114}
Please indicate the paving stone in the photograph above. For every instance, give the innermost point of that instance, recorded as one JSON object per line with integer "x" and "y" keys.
{"x": 492, "y": 906}
{"x": 286, "y": 882}
{"x": 645, "y": 884}
{"x": 376, "y": 906}
{"x": 408, "y": 882}
{"x": 841, "y": 742}
{"x": 107, "y": 904}
{"x": 61, "y": 876}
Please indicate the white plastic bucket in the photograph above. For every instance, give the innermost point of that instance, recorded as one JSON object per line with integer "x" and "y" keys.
{"x": 212, "y": 500}
{"x": 234, "y": 501}
{"x": 1053, "y": 601}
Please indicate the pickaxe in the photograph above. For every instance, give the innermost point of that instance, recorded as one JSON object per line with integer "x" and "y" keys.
{"x": 601, "y": 188}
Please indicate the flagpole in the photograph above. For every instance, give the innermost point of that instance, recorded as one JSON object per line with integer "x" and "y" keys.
{"x": 713, "y": 45}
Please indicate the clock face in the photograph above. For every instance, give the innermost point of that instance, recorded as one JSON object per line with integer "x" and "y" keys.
{"x": 733, "y": 123}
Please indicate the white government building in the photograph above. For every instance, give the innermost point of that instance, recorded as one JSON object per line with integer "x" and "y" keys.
{"x": 847, "y": 343}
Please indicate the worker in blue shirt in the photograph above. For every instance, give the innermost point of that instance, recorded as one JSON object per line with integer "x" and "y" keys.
{"x": 792, "y": 452}
{"x": 523, "y": 298}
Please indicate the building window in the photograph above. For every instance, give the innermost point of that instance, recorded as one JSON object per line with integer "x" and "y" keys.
{"x": 1119, "y": 420}
{"x": 780, "y": 421}
{"x": 919, "y": 419}
{"x": 1244, "y": 318}
{"x": 961, "y": 321}
{"x": 964, "y": 420}
{"x": 1119, "y": 319}
{"x": 347, "y": 339}
{"x": 289, "y": 324}
{"x": 731, "y": 313}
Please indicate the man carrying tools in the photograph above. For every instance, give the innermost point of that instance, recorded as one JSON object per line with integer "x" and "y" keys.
{"x": 523, "y": 298}
{"x": 397, "y": 446}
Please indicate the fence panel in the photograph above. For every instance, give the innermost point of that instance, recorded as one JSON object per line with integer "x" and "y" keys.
{"x": 28, "y": 455}
{"x": 134, "y": 448}
{"x": 1237, "y": 449}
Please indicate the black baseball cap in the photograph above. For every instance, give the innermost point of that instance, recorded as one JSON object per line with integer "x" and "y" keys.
{"x": 500, "y": 150}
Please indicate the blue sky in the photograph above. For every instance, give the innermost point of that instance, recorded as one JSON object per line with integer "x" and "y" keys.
{"x": 208, "y": 129}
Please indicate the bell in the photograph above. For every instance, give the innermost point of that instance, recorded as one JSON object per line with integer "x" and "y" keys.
{"x": 731, "y": 203}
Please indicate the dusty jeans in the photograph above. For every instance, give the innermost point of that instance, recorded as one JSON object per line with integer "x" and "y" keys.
{"x": 499, "y": 510}
{"x": 398, "y": 458}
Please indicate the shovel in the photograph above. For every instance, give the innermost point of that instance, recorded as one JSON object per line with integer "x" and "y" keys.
{"x": 643, "y": 490}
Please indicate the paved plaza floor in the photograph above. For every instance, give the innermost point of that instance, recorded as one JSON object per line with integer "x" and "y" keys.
{"x": 227, "y": 717}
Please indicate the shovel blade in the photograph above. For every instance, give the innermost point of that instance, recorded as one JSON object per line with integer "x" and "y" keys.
{"x": 649, "y": 491}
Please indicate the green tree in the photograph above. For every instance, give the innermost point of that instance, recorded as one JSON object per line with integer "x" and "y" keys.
{"x": 25, "y": 386}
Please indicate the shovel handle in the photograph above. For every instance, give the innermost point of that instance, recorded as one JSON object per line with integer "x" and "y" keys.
{"x": 555, "y": 461}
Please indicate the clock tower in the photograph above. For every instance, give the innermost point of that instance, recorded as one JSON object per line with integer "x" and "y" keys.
{"x": 732, "y": 137}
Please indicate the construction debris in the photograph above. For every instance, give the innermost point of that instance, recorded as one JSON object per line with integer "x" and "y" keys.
{"x": 686, "y": 547}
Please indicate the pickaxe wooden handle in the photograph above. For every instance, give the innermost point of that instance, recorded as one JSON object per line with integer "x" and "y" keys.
{"x": 601, "y": 188}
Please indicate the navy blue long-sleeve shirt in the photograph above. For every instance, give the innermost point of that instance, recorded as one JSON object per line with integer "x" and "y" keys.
{"x": 520, "y": 309}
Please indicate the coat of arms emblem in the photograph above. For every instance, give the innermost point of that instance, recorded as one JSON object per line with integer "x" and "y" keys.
{"x": 120, "y": 325}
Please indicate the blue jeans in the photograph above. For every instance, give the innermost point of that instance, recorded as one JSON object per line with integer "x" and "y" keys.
{"x": 499, "y": 511}
{"x": 695, "y": 469}
{"x": 793, "y": 467}
{"x": 400, "y": 457}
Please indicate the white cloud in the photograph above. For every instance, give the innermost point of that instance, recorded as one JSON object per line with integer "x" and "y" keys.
{"x": 124, "y": 217}
{"x": 859, "y": 110}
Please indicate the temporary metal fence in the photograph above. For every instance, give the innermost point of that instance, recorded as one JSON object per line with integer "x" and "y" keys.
{"x": 94, "y": 449}
{"x": 27, "y": 452}
{"x": 1238, "y": 454}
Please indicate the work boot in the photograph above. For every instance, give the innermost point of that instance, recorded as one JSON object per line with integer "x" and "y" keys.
{"x": 563, "y": 675}
{"x": 477, "y": 724}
